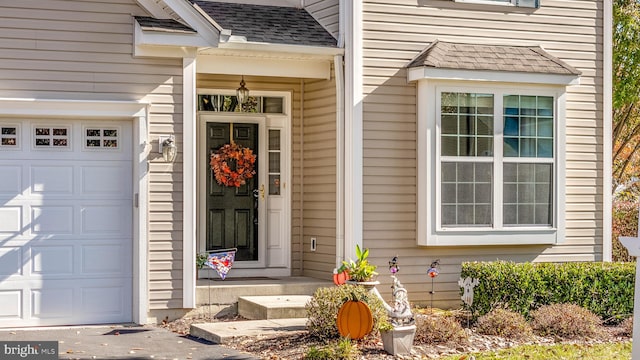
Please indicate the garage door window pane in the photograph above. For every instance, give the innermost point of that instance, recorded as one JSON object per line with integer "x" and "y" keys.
{"x": 51, "y": 137}
{"x": 96, "y": 138}
{"x": 9, "y": 136}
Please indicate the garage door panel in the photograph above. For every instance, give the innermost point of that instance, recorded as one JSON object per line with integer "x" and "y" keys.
{"x": 52, "y": 260}
{"x": 53, "y": 302}
{"x": 10, "y": 219}
{"x": 105, "y": 259}
{"x": 106, "y": 219}
{"x": 52, "y": 180}
{"x": 108, "y": 179}
{"x": 10, "y": 261}
{"x": 11, "y": 184}
{"x": 103, "y": 300}
{"x": 51, "y": 219}
{"x": 10, "y": 305}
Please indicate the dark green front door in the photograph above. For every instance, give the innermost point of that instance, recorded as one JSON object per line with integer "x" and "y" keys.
{"x": 232, "y": 213}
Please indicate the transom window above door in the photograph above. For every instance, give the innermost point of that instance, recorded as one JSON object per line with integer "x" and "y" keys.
{"x": 229, "y": 103}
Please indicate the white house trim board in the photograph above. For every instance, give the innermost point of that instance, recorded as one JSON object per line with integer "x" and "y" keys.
{"x": 260, "y": 66}
{"x": 422, "y": 72}
{"x": 189, "y": 181}
{"x": 112, "y": 110}
{"x": 353, "y": 128}
{"x": 152, "y": 7}
{"x": 607, "y": 74}
{"x": 194, "y": 20}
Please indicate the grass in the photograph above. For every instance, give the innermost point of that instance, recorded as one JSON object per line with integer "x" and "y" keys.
{"x": 608, "y": 351}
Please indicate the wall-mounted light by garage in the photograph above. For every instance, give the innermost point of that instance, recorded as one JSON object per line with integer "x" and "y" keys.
{"x": 168, "y": 148}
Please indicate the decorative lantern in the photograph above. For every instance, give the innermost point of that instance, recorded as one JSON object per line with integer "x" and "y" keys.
{"x": 242, "y": 92}
{"x": 168, "y": 148}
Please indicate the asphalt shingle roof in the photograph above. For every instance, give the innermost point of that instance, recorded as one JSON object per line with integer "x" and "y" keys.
{"x": 268, "y": 24}
{"x": 166, "y": 25}
{"x": 529, "y": 59}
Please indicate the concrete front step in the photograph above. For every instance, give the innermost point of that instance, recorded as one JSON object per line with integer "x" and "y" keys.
{"x": 273, "y": 307}
{"x": 227, "y": 292}
{"x": 223, "y": 332}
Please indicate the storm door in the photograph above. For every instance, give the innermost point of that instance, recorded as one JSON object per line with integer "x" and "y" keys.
{"x": 232, "y": 212}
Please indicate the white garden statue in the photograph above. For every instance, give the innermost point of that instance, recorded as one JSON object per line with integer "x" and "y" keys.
{"x": 467, "y": 284}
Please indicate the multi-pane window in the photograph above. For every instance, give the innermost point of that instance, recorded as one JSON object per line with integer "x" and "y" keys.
{"x": 96, "y": 138}
{"x": 466, "y": 154}
{"x": 51, "y": 137}
{"x": 8, "y": 136}
{"x": 229, "y": 103}
{"x": 275, "y": 153}
{"x": 496, "y": 160}
{"x": 528, "y": 160}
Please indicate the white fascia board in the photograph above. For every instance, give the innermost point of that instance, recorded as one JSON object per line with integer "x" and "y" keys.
{"x": 423, "y": 72}
{"x": 195, "y": 20}
{"x": 154, "y": 9}
{"x": 161, "y": 38}
{"x": 312, "y": 69}
{"x": 282, "y": 48}
{"x": 607, "y": 66}
{"x": 164, "y": 51}
{"x": 66, "y": 108}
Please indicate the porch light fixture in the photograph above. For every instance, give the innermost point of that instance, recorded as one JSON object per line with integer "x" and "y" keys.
{"x": 242, "y": 92}
{"x": 168, "y": 148}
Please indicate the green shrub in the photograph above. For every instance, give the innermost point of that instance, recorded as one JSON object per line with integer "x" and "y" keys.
{"x": 604, "y": 288}
{"x": 439, "y": 329}
{"x": 340, "y": 350}
{"x": 567, "y": 321}
{"x": 505, "y": 323}
{"x": 322, "y": 310}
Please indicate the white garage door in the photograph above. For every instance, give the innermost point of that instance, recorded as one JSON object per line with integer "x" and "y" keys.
{"x": 65, "y": 222}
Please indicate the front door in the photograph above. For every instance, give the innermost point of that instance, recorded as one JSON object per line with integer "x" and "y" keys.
{"x": 232, "y": 212}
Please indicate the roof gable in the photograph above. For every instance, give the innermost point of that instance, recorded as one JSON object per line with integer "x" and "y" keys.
{"x": 267, "y": 24}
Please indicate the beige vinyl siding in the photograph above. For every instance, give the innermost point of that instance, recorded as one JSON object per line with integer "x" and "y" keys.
{"x": 394, "y": 32}
{"x": 319, "y": 174}
{"x": 81, "y": 50}
{"x": 326, "y": 12}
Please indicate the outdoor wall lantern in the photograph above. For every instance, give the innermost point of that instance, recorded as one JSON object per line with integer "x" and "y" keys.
{"x": 242, "y": 92}
{"x": 168, "y": 148}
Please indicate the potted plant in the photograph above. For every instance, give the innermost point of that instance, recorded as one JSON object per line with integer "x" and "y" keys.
{"x": 201, "y": 259}
{"x": 360, "y": 272}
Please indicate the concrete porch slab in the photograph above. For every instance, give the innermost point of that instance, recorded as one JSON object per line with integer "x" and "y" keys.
{"x": 273, "y": 307}
{"x": 223, "y": 332}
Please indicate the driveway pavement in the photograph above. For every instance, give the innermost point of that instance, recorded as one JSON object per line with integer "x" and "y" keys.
{"x": 123, "y": 342}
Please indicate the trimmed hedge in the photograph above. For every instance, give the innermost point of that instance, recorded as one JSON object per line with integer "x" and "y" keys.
{"x": 604, "y": 288}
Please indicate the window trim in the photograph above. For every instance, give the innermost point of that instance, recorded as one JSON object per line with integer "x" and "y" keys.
{"x": 534, "y": 4}
{"x": 430, "y": 232}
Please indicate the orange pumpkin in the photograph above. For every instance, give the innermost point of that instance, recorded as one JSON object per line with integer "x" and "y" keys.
{"x": 340, "y": 278}
{"x": 355, "y": 319}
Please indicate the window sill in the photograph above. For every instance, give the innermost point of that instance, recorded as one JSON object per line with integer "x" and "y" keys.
{"x": 474, "y": 237}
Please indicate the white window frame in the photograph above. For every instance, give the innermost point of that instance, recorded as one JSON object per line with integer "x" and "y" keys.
{"x": 430, "y": 232}
{"x": 518, "y": 3}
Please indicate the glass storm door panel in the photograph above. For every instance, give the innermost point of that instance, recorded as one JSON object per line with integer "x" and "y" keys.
{"x": 232, "y": 212}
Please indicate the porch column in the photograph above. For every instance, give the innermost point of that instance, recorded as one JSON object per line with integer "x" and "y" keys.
{"x": 353, "y": 128}
{"x": 189, "y": 182}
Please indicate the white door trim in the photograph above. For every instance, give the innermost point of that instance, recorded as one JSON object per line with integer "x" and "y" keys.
{"x": 281, "y": 122}
{"x": 112, "y": 110}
